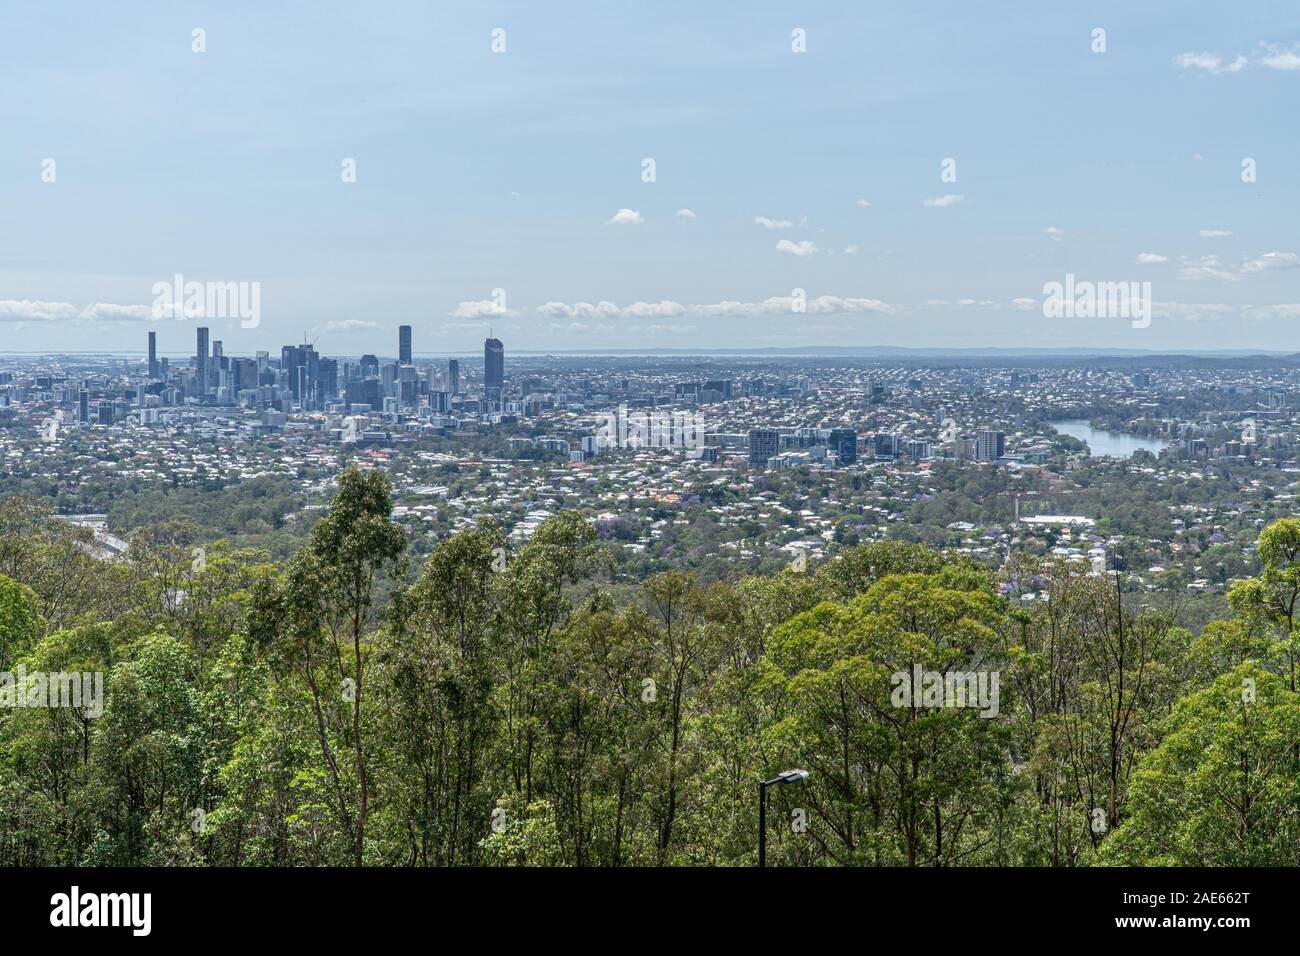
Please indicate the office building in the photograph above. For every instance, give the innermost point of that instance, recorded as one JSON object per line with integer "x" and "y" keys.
{"x": 989, "y": 444}
{"x": 843, "y": 444}
{"x": 201, "y": 362}
{"x": 764, "y": 443}
{"x": 403, "y": 345}
{"x": 494, "y": 365}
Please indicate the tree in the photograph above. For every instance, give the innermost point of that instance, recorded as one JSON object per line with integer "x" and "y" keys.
{"x": 1223, "y": 786}
{"x": 317, "y": 617}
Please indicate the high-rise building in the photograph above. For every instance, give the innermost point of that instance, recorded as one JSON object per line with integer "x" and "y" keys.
{"x": 408, "y": 386}
{"x": 989, "y": 444}
{"x": 301, "y": 364}
{"x": 453, "y": 376}
{"x": 327, "y": 378}
{"x": 243, "y": 374}
{"x": 494, "y": 365}
{"x": 764, "y": 443}
{"x": 843, "y": 444}
{"x": 403, "y": 345}
{"x": 83, "y": 405}
{"x": 153, "y": 355}
{"x": 202, "y": 361}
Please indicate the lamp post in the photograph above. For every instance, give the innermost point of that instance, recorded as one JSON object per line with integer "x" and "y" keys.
{"x": 785, "y": 776}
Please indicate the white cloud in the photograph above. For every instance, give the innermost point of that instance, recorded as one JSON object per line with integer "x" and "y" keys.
{"x": 1213, "y": 267}
{"x": 1025, "y": 304}
{"x": 850, "y": 250}
{"x": 1214, "y": 233}
{"x": 663, "y": 309}
{"x": 579, "y": 310}
{"x": 940, "y": 202}
{"x": 801, "y": 248}
{"x": 625, "y": 217}
{"x": 1210, "y": 62}
{"x": 344, "y": 325}
{"x": 686, "y": 215}
{"x": 773, "y": 223}
{"x": 667, "y": 309}
{"x": 1215, "y": 311}
{"x": 1148, "y": 258}
{"x": 836, "y": 305}
{"x": 1207, "y": 267}
{"x": 1054, "y": 232}
{"x": 483, "y": 308}
{"x": 608, "y": 310}
{"x": 1278, "y": 58}
{"x": 864, "y": 204}
{"x": 1273, "y": 56}
{"x": 28, "y": 310}
{"x": 107, "y": 312}
{"x": 785, "y": 305}
{"x": 1271, "y": 262}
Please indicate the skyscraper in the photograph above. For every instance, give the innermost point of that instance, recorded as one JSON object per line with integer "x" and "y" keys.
{"x": 301, "y": 364}
{"x": 403, "y": 345}
{"x": 494, "y": 365}
{"x": 153, "y": 355}
{"x": 202, "y": 364}
{"x": 453, "y": 376}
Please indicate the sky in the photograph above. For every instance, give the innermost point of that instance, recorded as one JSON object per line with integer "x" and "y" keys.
{"x": 908, "y": 174}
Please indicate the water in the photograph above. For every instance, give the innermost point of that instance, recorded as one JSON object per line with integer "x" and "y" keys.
{"x": 1112, "y": 444}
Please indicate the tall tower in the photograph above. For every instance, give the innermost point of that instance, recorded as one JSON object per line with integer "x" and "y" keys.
{"x": 202, "y": 365}
{"x": 403, "y": 345}
{"x": 153, "y": 355}
{"x": 453, "y": 376}
{"x": 494, "y": 365}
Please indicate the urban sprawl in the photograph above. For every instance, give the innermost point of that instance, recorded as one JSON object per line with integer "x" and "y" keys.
{"x": 1166, "y": 466}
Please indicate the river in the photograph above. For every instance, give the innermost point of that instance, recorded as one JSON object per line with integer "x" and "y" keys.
{"x": 1111, "y": 444}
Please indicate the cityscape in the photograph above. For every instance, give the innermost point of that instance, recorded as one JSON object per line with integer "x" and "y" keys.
{"x": 698, "y": 462}
{"x": 521, "y": 442}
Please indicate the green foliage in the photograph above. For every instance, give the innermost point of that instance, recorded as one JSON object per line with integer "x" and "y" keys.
{"x": 1223, "y": 786}
{"x": 516, "y": 703}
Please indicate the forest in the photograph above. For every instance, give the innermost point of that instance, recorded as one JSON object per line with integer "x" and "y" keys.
{"x": 499, "y": 704}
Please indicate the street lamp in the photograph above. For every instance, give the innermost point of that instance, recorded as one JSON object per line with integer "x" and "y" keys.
{"x": 785, "y": 776}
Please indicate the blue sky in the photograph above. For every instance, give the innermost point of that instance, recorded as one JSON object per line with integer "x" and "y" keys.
{"x": 481, "y": 171}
